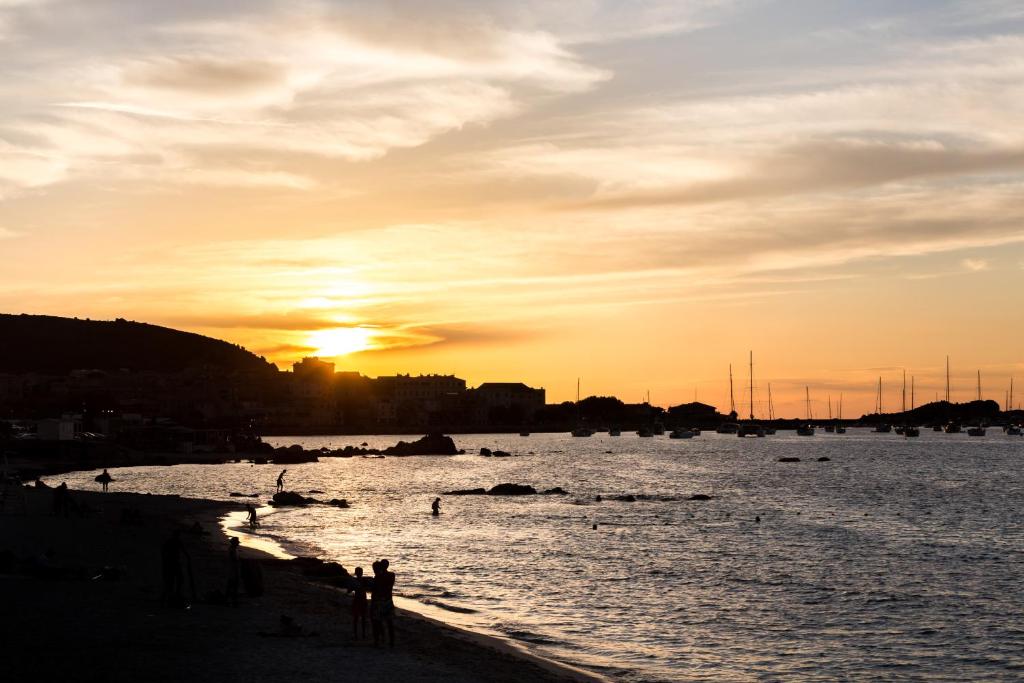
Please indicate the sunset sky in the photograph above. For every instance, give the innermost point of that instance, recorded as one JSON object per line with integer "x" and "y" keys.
{"x": 634, "y": 193}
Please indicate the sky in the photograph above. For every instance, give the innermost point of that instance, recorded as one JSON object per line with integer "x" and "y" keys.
{"x": 636, "y": 194}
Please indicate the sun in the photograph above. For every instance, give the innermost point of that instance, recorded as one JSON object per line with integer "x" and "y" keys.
{"x": 341, "y": 341}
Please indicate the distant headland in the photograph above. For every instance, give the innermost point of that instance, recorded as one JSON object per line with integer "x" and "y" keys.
{"x": 153, "y": 388}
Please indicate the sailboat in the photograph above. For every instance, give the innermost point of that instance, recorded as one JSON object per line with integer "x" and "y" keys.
{"x": 910, "y": 430}
{"x": 729, "y": 427}
{"x": 807, "y": 429}
{"x": 979, "y": 429}
{"x": 840, "y": 429}
{"x": 580, "y": 429}
{"x": 952, "y": 427}
{"x": 771, "y": 412}
{"x": 884, "y": 427}
{"x": 1011, "y": 429}
{"x": 751, "y": 428}
{"x": 830, "y": 428}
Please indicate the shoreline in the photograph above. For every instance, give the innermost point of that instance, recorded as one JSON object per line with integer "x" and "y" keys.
{"x": 85, "y": 612}
{"x": 232, "y": 523}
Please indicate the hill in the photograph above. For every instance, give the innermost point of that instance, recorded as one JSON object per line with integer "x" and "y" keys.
{"x": 52, "y": 345}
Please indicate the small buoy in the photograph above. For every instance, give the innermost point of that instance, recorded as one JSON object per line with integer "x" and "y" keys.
{"x": 757, "y": 519}
{"x": 595, "y": 527}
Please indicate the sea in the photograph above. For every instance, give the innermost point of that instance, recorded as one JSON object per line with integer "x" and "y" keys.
{"x": 873, "y": 557}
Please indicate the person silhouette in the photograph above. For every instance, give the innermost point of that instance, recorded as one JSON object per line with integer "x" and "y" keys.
{"x": 359, "y": 605}
{"x": 382, "y": 604}
{"x": 280, "y": 481}
{"x": 104, "y": 479}
{"x": 253, "y": 523}
{"x": 62, "y": 500}
{"x": 435, "y": 507}
{"x": 172, "y": 552}
{"x": 234, "y": 572}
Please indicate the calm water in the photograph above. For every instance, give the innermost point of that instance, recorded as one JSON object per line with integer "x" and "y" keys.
{"x": 899, "y": 559}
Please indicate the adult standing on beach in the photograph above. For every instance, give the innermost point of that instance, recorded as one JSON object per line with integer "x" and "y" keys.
{"x": 435, "y": 507}
{"x": 253, "y": 522}
{"x": 280, "y": 481}
{"x": 62, "y": 500}
{"x": 104, "y": 479}
{"x": 359, "y": 606}
{"x": 234, "y": 572}
{"x": 172, "y": 552}
{"x": 382, "y": 604}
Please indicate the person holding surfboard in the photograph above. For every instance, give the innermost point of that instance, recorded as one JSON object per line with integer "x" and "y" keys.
{"x": 104, "y": 479}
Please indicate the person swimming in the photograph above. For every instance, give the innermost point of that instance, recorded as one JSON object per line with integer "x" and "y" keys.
{"x": 435, "y": 507}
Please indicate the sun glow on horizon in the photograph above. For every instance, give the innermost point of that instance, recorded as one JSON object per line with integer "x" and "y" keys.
{"x": 341, "y": 341}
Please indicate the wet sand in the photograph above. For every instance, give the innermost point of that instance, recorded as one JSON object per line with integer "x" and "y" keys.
{"x": 78, "y": 628}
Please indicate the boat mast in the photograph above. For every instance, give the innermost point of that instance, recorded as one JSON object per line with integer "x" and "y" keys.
{"x": 947, "y": 379}
{"x": 904, "y": 406}
{"x": 830, "y": 407}
{"x": 751, "y": 385}
{"x": 911, "y": 392}
{"x": 732, "y": 401}
{"x": 979, "y": 385}
{"x": 807, "y": 393}
{"x": 1010, "y": 401}
{"x": 840, "y": 407}
{"x": 879, "y": 395}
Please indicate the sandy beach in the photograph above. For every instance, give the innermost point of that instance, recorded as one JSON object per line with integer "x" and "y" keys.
{"x": 63, "y": 621}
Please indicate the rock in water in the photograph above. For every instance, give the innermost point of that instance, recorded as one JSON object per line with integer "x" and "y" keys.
{"x": 557, "y": 491}
{"x": 824, "y": 459}
{"x": 486, "y": 452}
{"x": 293, "y": 455}
{"x": 338, "y": 502}
{"x": 291, "y": 498}
{"x": 467, "y": 492}
{"x": 502, "y": 454}
{"x": 431, "y": 444}
{"x": 700, "y": 496}
{"x": 512, "y": 490}
{"x": 789, "y": 459}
